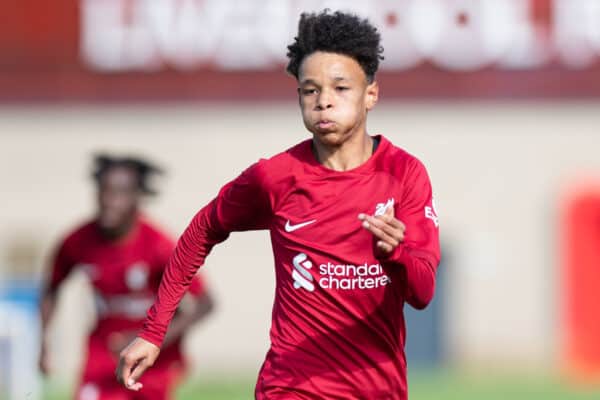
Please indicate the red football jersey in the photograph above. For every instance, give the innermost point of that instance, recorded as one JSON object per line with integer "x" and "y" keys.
{"x": 337, "y": 324}
{"x": 125, "y": 274}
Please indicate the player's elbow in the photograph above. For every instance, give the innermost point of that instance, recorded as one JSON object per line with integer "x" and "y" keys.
{"x": 421, "y": 298}
{"x": 422, "y": 301}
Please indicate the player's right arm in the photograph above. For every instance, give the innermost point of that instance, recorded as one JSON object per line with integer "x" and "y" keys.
{"x": 410, "y": 238}
{"x": 243, "y": 204}
{"x": 62, "y": 264}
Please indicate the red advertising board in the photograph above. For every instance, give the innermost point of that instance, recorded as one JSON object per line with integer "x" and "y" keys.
{"x": 579, "y": 244}
{"x": 228, "y": 50}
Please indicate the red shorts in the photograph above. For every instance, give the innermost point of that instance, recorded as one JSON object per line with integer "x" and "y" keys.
{"x": 99, "y": 382}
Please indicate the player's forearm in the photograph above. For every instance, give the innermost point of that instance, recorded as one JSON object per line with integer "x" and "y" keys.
{"x": 420, "y": 268}
{"x": 193, "y": 247}
{"x": 420, "y": 282}
{"x": 186, "y": 318}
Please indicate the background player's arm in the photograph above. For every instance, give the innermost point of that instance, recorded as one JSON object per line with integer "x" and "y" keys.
{"x": 196, "y": 305}
{"x": 61, "y": 267}
{"x": 193, "y": 308}
{"x": 47, "y": 305}
{"x": 240, "y": 205}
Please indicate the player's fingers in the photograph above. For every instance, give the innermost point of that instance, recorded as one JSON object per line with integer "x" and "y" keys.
{"x": 385, "y": 247}
{"x": 136, "y": 387}
{"x": 391, "y": 235}
{"x": 391, "y": 226}
{"x": 372, "y": 227}
{"x": 128, "y": 361}
{"x": 391, "y": 220}
{"x": 123, "y": 369}
{"x": 136, "y": 374}
{"x": 400, "y": 224}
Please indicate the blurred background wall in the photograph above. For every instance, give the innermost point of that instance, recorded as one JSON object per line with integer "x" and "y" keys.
{"x": 499, "y": 99}
{"x": 498, "y": 172}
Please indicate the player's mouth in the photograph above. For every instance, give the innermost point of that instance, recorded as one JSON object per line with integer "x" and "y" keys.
{"x": 325, "y": 125}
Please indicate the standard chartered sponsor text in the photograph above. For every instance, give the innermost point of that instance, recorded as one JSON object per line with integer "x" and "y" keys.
{"x": 350, "y": 277}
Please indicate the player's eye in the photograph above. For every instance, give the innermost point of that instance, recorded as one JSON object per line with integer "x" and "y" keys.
{"x": 308, "y": 91}
{"x": 341, "y": 88}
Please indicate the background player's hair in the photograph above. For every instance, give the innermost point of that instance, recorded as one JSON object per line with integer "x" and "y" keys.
{"x": 143, "y": 168}
{"x": 338, "y": 32}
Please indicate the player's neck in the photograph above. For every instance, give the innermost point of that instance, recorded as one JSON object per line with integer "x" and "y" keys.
{"x": 351, "y": 154}
{"x": 120, "y": 232}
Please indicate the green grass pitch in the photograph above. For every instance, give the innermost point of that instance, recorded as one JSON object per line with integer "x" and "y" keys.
{"x": 423, "y": 385}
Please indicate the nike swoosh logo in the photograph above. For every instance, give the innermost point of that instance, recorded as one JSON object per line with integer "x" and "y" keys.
{"x": 291, "y": 228}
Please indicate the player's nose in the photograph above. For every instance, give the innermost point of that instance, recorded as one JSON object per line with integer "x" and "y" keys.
{"x": 324, "y": 101}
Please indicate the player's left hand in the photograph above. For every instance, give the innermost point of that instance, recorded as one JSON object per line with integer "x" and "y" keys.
{"x": 134, "y": 360}
{"x": 386, "y": 228}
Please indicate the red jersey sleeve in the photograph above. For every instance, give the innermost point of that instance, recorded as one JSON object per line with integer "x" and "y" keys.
{"x": 419, "y": 254}
{"x": 61, "y": 265}
{"x": 197, "y": 287}
{"x": 241, "y": 205}
{"x": 165, "y": 247}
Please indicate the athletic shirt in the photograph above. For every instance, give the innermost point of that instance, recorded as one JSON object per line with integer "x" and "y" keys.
{"x": 337, "y": 324}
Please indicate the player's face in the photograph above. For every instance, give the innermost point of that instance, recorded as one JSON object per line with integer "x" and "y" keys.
{"x": 118, "y": 198}
{"x": 335, "y": 97}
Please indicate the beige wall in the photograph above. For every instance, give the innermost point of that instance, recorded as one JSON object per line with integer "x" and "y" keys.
{"x": 497, "y": 170}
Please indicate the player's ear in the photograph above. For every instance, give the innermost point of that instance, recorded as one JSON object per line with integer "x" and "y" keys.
{"x": 372, "y": 95}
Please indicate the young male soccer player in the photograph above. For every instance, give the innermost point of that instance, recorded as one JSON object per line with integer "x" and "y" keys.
{"x": 353, "y": 229}
{"x": 124, "y": 256}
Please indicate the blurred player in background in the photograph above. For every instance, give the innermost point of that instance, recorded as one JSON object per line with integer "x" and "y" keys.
{"x": 124, "y": 256}
{"x": 353, "y": 229}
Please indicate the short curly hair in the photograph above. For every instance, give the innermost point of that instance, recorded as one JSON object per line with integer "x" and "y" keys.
{"x": 143, "y": 168}
{"x": 337, "y": 32}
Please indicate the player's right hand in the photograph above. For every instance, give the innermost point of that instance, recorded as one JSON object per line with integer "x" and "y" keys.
{"x": 136, "y": 358}
{"x": 388, "y": 230}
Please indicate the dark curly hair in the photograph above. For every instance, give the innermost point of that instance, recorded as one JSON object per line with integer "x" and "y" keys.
{"x": 337, "y": 32}
{"x": 143, "y": 169}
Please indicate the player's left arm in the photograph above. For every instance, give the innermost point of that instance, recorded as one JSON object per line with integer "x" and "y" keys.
{"x": 242, "y": 204}
{"x": 195, "y": 306}
{"x": 196, "y": 303}
{"x": 409, "y": 236}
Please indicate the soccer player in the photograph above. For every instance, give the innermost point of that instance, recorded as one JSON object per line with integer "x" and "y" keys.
{"x": 124, "y": 256}
{"x": 353, "y": 229}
